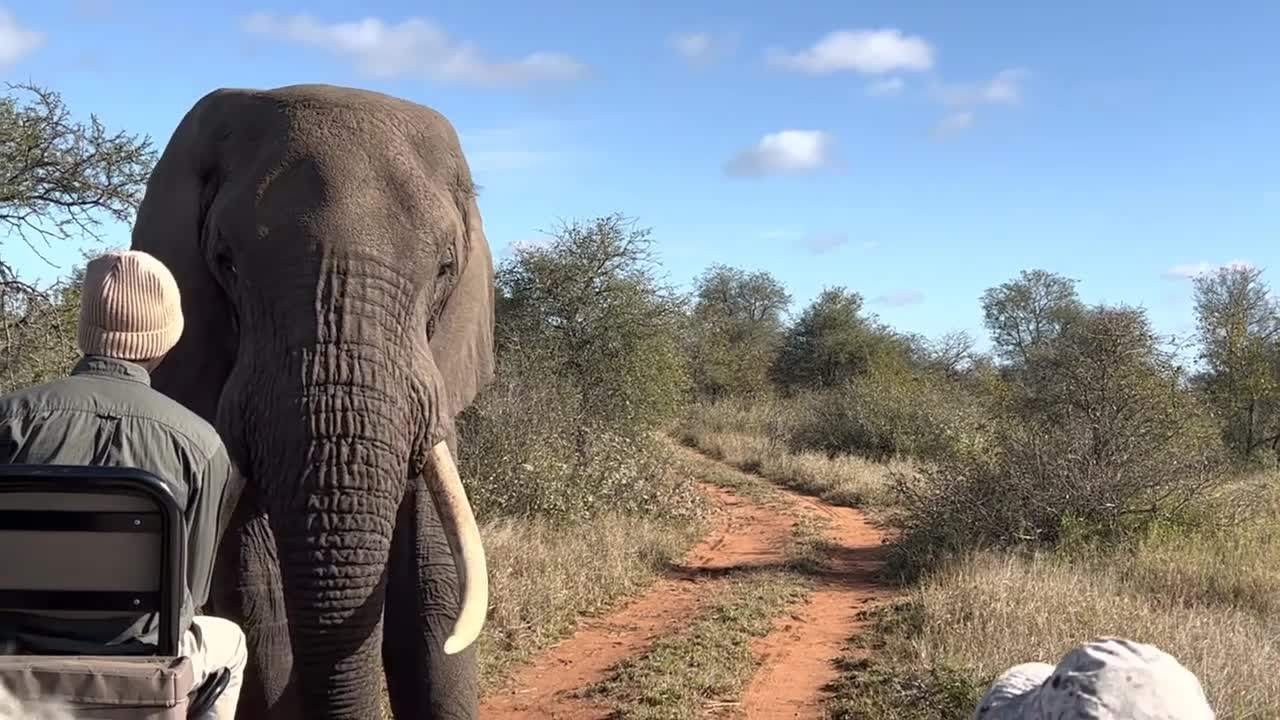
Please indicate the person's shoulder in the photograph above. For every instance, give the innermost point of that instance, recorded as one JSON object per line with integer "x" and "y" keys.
{"x": 35, "y": 395}
{"x": 177, "y": 416}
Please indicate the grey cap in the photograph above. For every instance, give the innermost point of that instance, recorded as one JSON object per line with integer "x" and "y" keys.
{"x": 1107, "y": 679}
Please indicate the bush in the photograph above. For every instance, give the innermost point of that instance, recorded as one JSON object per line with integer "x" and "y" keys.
{"x": 37, "y": 330}
{"x": 763, "y": 415}
{"x": 1106, "y": 443}
{"x": 893, "y": 413}
{"x": 520, "y": 455}
{"x": 588, "y": 371}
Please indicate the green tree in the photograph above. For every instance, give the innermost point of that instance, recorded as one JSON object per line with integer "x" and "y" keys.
{"x": 734, "y": 330}
{"x": 59, "y": 179}
{"x": 1112, "y": 442}
{"x": 832, "y": 342}
{"x": 1025, "y": 315}
{"x": 38, "y": 340}
{"x": 1238, "y": 326}
{"x": 951, "y": 354}
{"x": 589, "y": 306}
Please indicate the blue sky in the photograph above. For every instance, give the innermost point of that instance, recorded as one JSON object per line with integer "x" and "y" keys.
{"x": 915, "y": 152}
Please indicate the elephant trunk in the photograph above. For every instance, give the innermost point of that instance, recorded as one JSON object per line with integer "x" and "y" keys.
{"x": 346, "y": 451}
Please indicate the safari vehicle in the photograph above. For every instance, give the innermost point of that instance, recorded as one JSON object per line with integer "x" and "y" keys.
{"x": 98, "y": 542}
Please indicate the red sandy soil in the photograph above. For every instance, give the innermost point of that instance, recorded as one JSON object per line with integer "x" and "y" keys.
{"x": 796, "y": 657}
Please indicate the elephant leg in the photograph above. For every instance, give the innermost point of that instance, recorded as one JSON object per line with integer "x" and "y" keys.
{"x": 247, "y": 590}
{"x": 421, "y": 606}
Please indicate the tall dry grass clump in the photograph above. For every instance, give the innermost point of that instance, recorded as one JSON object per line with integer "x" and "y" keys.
{"x": 1209, "y": 595}
{"x": 991, "y": 611}
{"x": 545, "y": 575}
{"x": 569, "y": 527}
{"x": 755, "y": 436}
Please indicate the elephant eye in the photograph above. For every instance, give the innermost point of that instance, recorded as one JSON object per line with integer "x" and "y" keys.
{"x": 447, "y": 263}
{"x": 226, "y": 265}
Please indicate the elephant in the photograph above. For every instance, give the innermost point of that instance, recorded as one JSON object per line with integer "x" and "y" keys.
{"x": 338, "y": 293}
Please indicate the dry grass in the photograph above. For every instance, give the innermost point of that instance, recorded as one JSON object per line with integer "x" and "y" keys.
{"x": 747, "y": 485}
{"x": 1235, "y": 565}
{"x": 708, "y": 663}
{"x": 991, "y": 612}
{"x": 751, "y": 436}
{"x": 544, "y": 577}
{"x": 1212, "y": 599}
{"x": 843, "y": 480}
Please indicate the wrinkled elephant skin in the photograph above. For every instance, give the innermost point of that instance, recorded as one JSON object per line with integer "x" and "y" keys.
{"x": 338, "y": 291}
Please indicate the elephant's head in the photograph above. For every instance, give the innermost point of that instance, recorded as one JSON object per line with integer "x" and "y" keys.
{"x": 338, "y": 292}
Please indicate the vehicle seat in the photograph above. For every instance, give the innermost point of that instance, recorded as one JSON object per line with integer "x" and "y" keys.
{"x": 92, "y": 542}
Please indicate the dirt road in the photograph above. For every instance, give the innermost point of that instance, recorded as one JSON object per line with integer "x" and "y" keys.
{"x": 796, "y": 658}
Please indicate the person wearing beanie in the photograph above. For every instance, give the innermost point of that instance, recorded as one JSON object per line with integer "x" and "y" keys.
{"x": 105, "y": 413}
{"x": 1106, "y": 679}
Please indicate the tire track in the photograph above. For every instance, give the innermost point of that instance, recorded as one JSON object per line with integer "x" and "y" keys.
{"x": 744, "y": 535}
{"x": 797, "y": 658}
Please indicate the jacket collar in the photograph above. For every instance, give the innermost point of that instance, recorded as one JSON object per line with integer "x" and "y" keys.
{"x": 112, "y": 367}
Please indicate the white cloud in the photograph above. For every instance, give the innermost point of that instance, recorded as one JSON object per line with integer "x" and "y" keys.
{"x": 871, "y": 52}
{"x": 703, "y": 47}
{"x": 899, "y": 298}
{"x": 1195, "y": 270}
{"x": 16, "y": 41}
{"x": 816, "y": 243}
{"x": 413, "y": 47}
{"x": 1005, "y": 88}
{"x": 785, "y": 152}
{"x": 888, "y": 86}
{"x": 962, "y": 101}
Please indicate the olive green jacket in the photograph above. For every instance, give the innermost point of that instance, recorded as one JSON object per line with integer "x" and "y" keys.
{"x": 107, "y": 414}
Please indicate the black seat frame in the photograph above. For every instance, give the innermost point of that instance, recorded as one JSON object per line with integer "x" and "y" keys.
{"x": 167, "y": 517}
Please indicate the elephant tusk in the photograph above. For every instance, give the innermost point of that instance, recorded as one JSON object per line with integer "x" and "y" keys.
{"x": 464, "y": 540}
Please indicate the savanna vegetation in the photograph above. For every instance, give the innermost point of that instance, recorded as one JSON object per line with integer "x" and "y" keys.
{"x": 1087, "y": 476}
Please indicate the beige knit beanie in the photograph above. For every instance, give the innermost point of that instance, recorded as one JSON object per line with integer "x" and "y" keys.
{"x": 130, "y": 307}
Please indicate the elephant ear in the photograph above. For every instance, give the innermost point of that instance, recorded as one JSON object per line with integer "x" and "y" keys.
{"x": 170, "y": 225}
{"x": 461, "y": 338}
